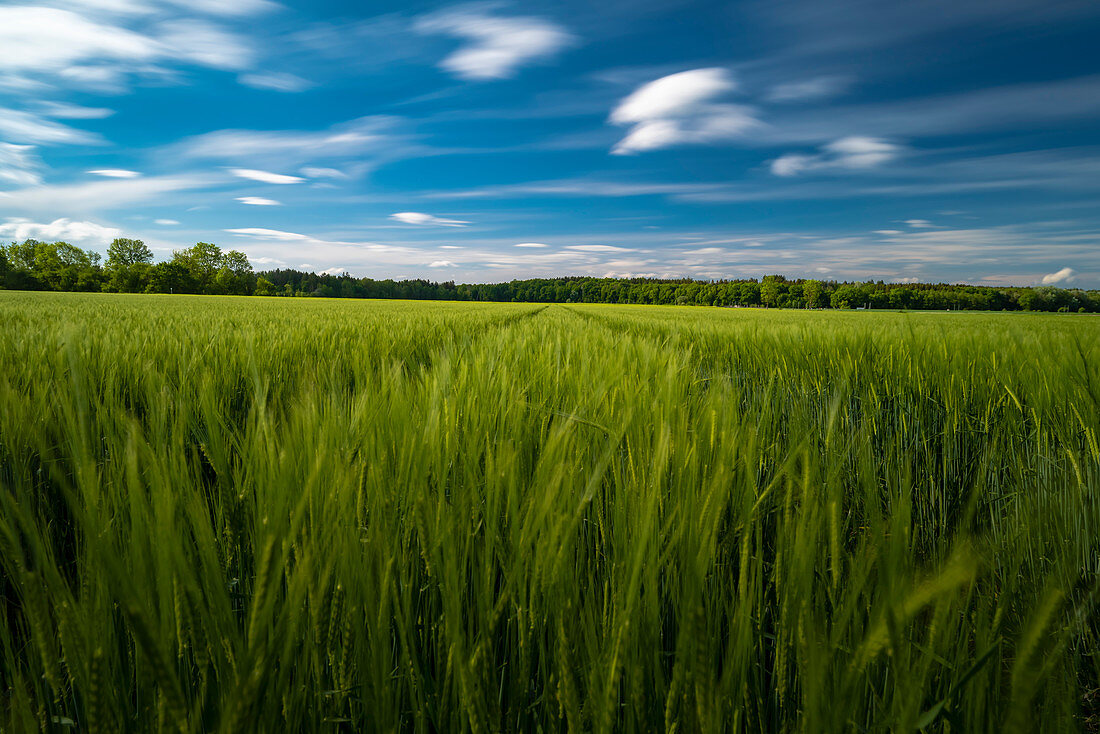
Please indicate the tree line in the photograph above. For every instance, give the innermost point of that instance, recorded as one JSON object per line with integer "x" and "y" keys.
{"x": 207, "y": 269}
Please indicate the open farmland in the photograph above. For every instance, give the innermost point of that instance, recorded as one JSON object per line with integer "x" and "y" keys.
{"x": 228, "y": 514}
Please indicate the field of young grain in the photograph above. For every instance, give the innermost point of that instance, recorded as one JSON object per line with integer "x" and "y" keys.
{"x": 235, "y": 515}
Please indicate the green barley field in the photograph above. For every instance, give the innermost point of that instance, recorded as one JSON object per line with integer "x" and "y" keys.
{"x": 229, "y": 514}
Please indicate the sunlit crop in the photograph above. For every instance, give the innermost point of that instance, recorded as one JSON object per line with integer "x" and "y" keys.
{"x": 229, "y": 514}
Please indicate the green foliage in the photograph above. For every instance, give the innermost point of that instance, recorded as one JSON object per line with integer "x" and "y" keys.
{"x": 250, "y": 515}
{"x": 128, "y": 264}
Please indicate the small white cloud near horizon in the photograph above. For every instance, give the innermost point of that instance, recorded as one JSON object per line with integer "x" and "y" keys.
{"x": 166, "y": 222}
{"x": 114, "y": 173}
{"x": 531, "y": 244}
{"x": 258, "y": 201}
{"x": 333, "y": 271}
{"x": 441, "y": 264}
{"x": 265, "y": 176}
{"x": 854, "y": 152}
{"x": 888, "y": 231}
{"x": 421, "y": 218}
{"x": 1065, "y": 275}
{"x": 680, "y": 109}
{"x": 495, "y": 46}
{"x": 919, "y": 223}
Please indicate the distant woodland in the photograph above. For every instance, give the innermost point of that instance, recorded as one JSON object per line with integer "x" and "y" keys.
{"x": 207, "y": 269}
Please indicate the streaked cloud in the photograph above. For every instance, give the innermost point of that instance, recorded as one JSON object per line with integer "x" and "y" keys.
{"x": 275, "y": 81}
{"x": 850, "y": 153}
{"x": 258, "y": 201}
{"x": 271, "y": 234}
{"x": 495, "y": 46}
{"x": 77, "y": 232}
{"x": 114, "y": 173}
{"x": 265, "y": 176}
{"x": 681, "y": 109}
{"x": 807, "y": 90}
{"x": 420, "y": 218}
{"x": 20, "y": 165}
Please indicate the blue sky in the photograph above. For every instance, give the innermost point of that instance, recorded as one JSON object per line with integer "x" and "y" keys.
{"x": 930, "y": 140}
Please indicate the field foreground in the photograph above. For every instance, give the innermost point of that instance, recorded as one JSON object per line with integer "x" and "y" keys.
{"x": 235, "y": 515}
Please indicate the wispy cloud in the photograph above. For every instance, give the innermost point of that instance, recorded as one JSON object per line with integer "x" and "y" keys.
{"x": 59, "y": 229}
{"x": 253, "y": 174}
{"x": 420, "y": 218}
{"x": 271, "y": 234}
{"x": 20, "y": 165}
{"x": 853, "y": 152}
{"x": 275, "y": 81}
{"x": 94, "y": 45}
{"x": 532, "y": 245}
{"x": 114, "y": 173}
{"x": 96, "y": 197}
{"x": 27, "y": 127}
{"x": 496, "y": 46}
{"x": 358, "y": 140}
{"x": 258, "y": 201}
{"x": 681, "y": 109}
{"x": 807, "y": 90}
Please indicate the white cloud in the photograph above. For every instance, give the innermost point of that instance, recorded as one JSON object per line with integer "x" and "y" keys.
{"x": 258, "y": 201}
{"x": 495, "y": 46}
{"x": 65, "y": 111}
{"x": 349, "y": 139}
{"x": 222, "y": 7}
{"x": 314, "y": 172}
{"x": 441, "y": 264}
{"x": 99, "y": 196}
{"x": 597, "y": 248}
{"x": 19, "y": 165}
{"x": 680, "y": 109}
{"x": 114, "y": 173}
{"x": 332, "y": 271}
{"x": 851, "y": 153}
{"x": 269, "y": 234}
{"x": 809, "y": 89}
{"x": 204, "y": 44}
{"x": 1065, "y": 275}
{"x": 26, "y": 127}
{"x": 429, "y": 219}
{"x": 919, "y": 223}
{"x": 265, "y": 176}
{"x": 888, "y": 231}
{"x": 88, "y": 45}
{"x": 52, "y": 39}
{"x": 531, "y": 244}
{"x": 59, "y": 229}
{"x": 274, "y": 80}
{"x": 166, "y": 222}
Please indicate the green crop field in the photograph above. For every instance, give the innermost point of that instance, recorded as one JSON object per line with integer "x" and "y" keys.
{"x": 229, "y": 514}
